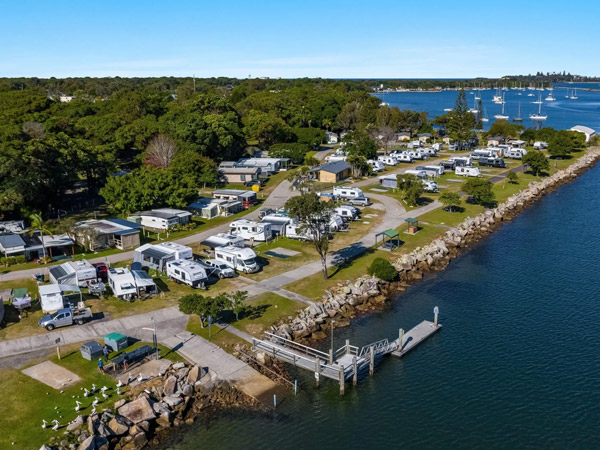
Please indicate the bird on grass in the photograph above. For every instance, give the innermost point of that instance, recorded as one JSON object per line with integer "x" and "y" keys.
{"x": 44, "y": 424}
{"x": 119, "y": 384}
{"x": 56, "y": 425}
{"x": 95, "y": 402}
{"x": 77, "y": 405}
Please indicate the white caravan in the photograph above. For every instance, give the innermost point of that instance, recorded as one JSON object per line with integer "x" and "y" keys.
{"x": 467, "y": 171}
{"x": 223, "y": 240}
{"x": 294, "y": 230}
{"x": 418, "y": 154}
{"x": 437, "y": 147}
{"x": 388, "y": 160}
{"x": 125, "y": 285}
{"x": 347, "y": 212}
{"x": 430, "y": 186}
{"x": 250, "y": 230}
{"x": 414, "y": 144}
{"x": 377, "y": 166}
{"x": 402, "y": 156}
{"x": 73, "y": 272}
{"x": 438, "y": 169}
{"x": 187, "y": 272}
{"x": 429, "y": 151}
{"x": 242, "y": 259}
{"x": 178, "y": 250}
{"x": 417, "y": 173}
{"x": 486, "y": 153}
{"x": 335, "y": 158}
{"x": 515, "y": 153}
{"x": 348, "y": 193}
{"x": 540, "y": 145}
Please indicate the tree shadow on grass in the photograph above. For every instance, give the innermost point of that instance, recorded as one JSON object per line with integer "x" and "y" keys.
{"x": 343, "y": 260}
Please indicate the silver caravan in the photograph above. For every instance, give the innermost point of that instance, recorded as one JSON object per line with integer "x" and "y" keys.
{"x": 429, "y": 151}
{"x": 278, "y": 223}
{"x": 462, "y": 160}
{"x": 188, "y": 272}
{"x": 347, "y": 212}
{"x": 430, "y": 171}
{"x": 486, "y": 153}
{"x": 467, "y": 171}
{"x": 438, "y": 169}
{"x": 515, "y": 153}
{"x": 250, "y": 230}
{"x": 418, "y": 154}
{"x": 417, "y": 173}
{"x": 242, "y": 259}
{"x": 348, "y": 193}
{"x": 223, "y": 240}
{"x": 388, "y": 160}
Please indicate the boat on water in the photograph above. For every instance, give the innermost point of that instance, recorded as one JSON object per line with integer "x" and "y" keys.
{"x": 518, "y": 118}
{"x": 478, "y": 95}
{"x": 484, "y": 117}
{"x": 567, "y": 96}
{"x": 539, "y": 100}
{"x": 574, "y": 95}
{"x": 539, "y": 115}
{"x": 474, "y": 109}
{"x": 497, "y": 98}
{"x": 502, "y": 116}
{"x": 550, "y": 97}
{"x": 448, "y": 109}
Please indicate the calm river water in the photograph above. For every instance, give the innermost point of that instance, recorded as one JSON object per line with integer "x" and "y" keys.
{"x": 517, "y": 364}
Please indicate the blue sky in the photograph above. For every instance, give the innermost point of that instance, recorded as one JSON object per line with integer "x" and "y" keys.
{"x": 392, "y": 39}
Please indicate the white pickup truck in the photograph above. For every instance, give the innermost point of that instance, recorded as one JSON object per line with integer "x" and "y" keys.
{"x": 65, "y": 317}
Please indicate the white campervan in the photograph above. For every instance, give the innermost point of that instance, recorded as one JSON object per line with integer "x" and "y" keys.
{"x": 223, "y": 240}
{"x": 242, "y": 259}
{"x": 348, "y": 193}
{"x": 187, "y": 272}
{"x": 402, "y": 156}
{"x": 388, "y": 160}
{"x": 248, "y": 229}
{"x": 467, "y": 171}
{"x": 347, "y": 212}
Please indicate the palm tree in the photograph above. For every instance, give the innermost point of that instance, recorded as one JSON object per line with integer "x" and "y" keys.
{"x": 38, "y": 224}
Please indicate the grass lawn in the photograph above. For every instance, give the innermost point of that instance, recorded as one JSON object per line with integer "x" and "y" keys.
{"x": 264, "y": 311}
{"x": 25, "y": 401}
{"x": 218, "y": 336}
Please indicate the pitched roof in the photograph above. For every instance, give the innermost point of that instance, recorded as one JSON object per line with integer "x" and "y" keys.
{"x": 11, "y": 241}
{"x": 583, "y": 129}
{"x": 332, "y": 167}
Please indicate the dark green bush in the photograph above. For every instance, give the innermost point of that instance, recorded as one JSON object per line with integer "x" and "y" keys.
{"x": 20, "y": 259}
{"x": 382, "y": 269}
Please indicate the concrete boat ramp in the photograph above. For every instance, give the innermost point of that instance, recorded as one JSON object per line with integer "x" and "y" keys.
{"x": 348, "y": 361}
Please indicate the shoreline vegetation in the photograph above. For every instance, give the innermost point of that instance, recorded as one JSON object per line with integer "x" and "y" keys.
{"x": 351, "y": 298}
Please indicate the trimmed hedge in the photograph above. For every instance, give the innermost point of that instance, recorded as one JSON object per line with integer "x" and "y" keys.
{"x": 382, "y": 269}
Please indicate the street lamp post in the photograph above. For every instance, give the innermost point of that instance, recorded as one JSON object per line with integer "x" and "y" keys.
{"x": 154, "y": 339}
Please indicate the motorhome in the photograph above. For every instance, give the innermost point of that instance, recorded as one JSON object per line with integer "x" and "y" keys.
{"x": 223, "y": 240}
{"x": 485, "y": 153}
{"x": 492, "y": 162}
{"x": 73, "y": 272}
{"x": 467, "y": 171}
{"x": 402, "y": 156}
{"x": 388, "y": 160}
{"x": 250, "y": 230}
{"x": 540, "y": 145}
{"x": 187, "y": 272}
{"x": 377, "y": 166}
{"x": 348, "y": 193}
{"x": 430, "y": 186}
{"x": 242, "y": 259}
{"x": 347, "y": 212}
{"x": 462, "y": 161}
{"x": 515, "y": 153}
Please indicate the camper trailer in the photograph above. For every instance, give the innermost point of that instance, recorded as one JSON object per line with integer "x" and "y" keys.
{"x": 388, "y": 160}
{"x": 347, "y": 193}
{"x": 448, "y": 164}
{"x": 278, "y": 223}
{"x": 438, "y": 169}
{"x": 462, "y": 160}
{"x": 467, "y": 171}
{"x": 486, "y": 153}
{"x": 336, "y": 223}
{"x": 515, "y": 153}
{"x": 224, "y": 240}
{"x": 430, "y": 186}
{"x": 122, "y": 283}
{"x": 242, "y": 259}
{"x": 377, "y": 166}
{"x": 294, "y": 230}
{"x": 430, "y": 171}
{"x": 250, "y": 230}
{"x": 402, "y": 156}
{"x": 540, "y": 145}
{"x": 347, "y": 212}
{"x": 492, "y": 162}
{"x": 178, "y": 250}
{"x": 187, "y": 272}
{"x": 417, "y": 173}
{"x": 73, "y": 272}
{"x": 418, "y": 154}
{"x": 429, "y": 151}
{"x": 437, "y": 147}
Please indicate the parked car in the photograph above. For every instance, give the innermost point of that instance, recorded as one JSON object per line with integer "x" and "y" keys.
{"x": 360, "y": 201}
{"x": 101, "y": 271}
{"x": 266, "y": 212}
{"x": 219, "y": 269}
{"x": 252, "y": 183}
{"x": 65, "y": 317}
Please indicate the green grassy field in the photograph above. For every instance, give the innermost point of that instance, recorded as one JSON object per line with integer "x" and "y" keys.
{"x": 264, "y": 311}
{"x": 223, "y": 338}
{"x": 25, "y": 401}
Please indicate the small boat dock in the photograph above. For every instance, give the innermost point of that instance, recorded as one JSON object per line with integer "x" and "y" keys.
{"x": 348, "y": 361}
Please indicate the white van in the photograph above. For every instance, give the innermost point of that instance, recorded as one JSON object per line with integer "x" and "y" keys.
{"x": 377, "y": 166}
{"x": 467, "y": 171}
{"x": 187, "y": 272}
{"x": 248, "y": 229}
{"x": 223, "y": 240}
{"x": 242, "y": 259}
{"x": 348, "y": 193}
{"x": 388, "y": 160}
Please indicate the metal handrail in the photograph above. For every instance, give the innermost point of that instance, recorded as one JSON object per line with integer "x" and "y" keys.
{"x": 307, "y": 350}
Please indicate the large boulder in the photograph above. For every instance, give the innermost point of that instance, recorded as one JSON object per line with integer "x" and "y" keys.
{"x": 173, "y": 400}
{"x": 195, "y": 374}
{"x": 170, "y": 385}
{"x": 118, "y": 425}
{"x": 138, "y": 410}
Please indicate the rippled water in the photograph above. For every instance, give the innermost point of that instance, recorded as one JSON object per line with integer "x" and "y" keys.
{"x": 516, "y": 365}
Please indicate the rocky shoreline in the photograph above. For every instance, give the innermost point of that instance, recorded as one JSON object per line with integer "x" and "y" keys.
{"x": 351, "y": 298}
{"x": 154, "y": 408}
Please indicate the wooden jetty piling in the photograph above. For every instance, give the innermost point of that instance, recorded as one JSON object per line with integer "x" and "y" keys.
{"x": 354, "y": 371}
{"x": 342, "y": 380}
{"x": 371, "y": 361}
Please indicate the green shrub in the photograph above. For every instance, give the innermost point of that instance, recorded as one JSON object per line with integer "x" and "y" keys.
{"x": 21, "y": 259}
{"x": 382, "y": 269}
{"x": 4, "y": 261}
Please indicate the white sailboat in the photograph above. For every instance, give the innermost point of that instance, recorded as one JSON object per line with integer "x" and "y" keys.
{"x": 474, "y": 109}
{"x": 502, "y": 116}
{"x": 448, "y": 109}
{"x": 550, "y": 97}
{"x": 539, "y": 115}
{"x": 478, "y": 95}
{"x": 497, "y": 98}
{"x": 485, "y": 117}
{"x": 539, "y": 100}
{"x": 574, "y": 95}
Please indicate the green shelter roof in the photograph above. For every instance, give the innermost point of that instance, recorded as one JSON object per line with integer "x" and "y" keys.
{"x": 411, "y": 220}
{"x": 390, "y": 233}
{"x": 115, "y": 336}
